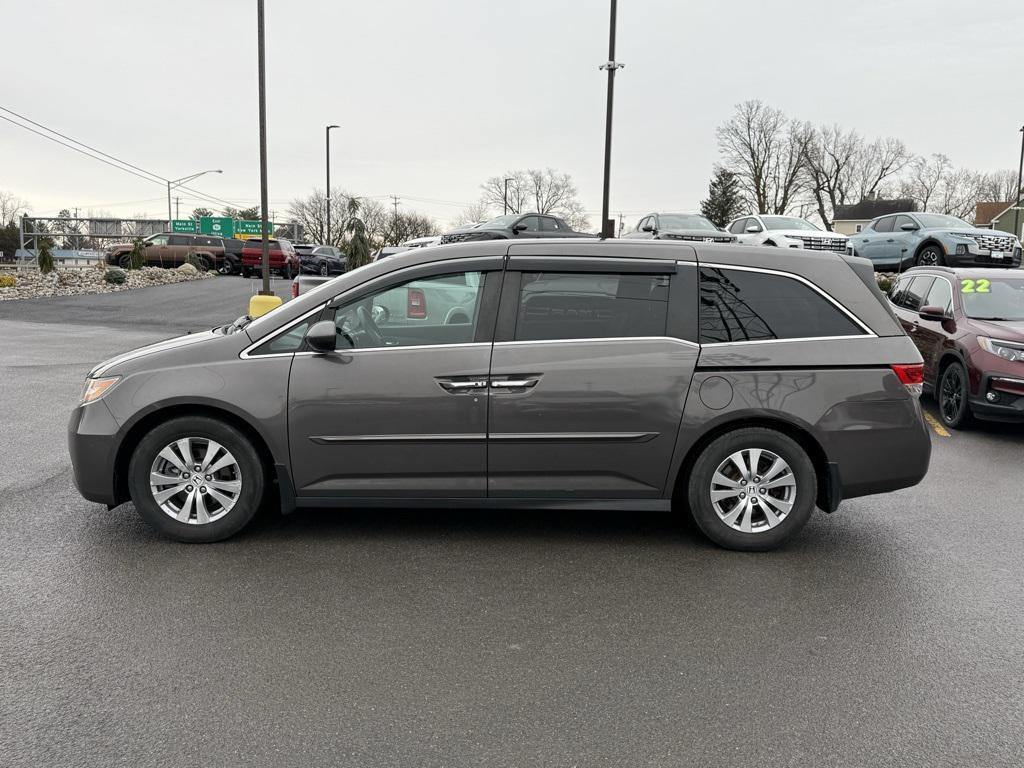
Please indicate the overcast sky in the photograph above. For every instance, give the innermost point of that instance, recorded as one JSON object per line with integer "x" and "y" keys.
{"x": 433, "y": 97}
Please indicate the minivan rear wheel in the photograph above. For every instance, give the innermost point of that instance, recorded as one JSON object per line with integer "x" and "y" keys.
{"x": 752, "y": 489}
{"x": 196, "y": 479}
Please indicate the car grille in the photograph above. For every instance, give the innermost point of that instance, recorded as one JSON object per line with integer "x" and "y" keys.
{"x": 837, "y": 244}
{"x": 1005, "y": 243}
{"x": 461, "y": 237}
{"x": 701, "y": 238}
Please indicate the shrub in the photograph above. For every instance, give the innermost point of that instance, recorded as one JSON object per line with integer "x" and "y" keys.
{"x": 137, "y": 258}
{"x": 884, "y": 284}
{"x": 7, "y": 281}
{"x": 115, "y": 276}
{"x": 45, "y": 257}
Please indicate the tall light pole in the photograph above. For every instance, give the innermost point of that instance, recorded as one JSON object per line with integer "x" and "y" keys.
{"x": 328, "y": 135}
{"x": 506, "y": 195}
{"x": 177, "y": 183}
{"x": 608, "y": 230}
{"x": 1020, "y": 190}
{"x": 264, "y": 223}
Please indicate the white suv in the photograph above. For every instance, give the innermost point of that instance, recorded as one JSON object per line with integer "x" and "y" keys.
{"x": 785, "y": 232}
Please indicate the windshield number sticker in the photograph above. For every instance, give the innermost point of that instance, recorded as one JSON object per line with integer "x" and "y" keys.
{"x": 975, "y": 286}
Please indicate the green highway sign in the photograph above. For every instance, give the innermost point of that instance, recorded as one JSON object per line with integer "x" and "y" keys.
{"x": 250, "y": 228}
{"x": 183, "y": 225}
{"x": 218, "y": 226}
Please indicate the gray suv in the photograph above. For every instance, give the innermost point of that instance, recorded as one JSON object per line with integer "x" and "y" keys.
{"x": 742, "y": 384}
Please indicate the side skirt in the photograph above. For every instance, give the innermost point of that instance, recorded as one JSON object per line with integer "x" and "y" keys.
{"x": 623, "y": 505}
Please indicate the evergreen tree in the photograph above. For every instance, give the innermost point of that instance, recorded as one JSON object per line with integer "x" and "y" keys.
{"x": 724, "y": 202}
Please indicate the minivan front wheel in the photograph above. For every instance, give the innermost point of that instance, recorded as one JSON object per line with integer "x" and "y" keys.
{"x": 752, "y": 489}
{"x": 196, "y": 479}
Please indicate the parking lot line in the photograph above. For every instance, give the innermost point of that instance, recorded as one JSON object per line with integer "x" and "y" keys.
{"x": 934, "y": 423}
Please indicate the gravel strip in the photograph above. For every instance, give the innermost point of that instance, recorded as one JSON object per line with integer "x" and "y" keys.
{"x": 33, "y": 284}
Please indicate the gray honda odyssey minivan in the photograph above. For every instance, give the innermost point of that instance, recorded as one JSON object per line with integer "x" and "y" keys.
{"x": 744, "y": 385}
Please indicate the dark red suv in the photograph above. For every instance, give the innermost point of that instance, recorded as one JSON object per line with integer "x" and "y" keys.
{"x": 969, "y": 326}
{"x": 283, "y": 258}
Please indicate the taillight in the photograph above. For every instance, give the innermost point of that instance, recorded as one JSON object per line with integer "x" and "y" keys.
{"x": 911, "y": 376}
{"x": 295, "y": 288}
{"x": 416, "y": 306}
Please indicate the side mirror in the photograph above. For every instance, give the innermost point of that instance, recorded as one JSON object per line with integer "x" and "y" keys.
{"x": 936, "y": 314}
{"x": 147, "y": 244}
{"x": 648, "y": 228}
{"x": 519, "y": 227}
{"x": 909, "y": 227}
{"x": 322, "y": 336}
{"x": 753, "y": 229}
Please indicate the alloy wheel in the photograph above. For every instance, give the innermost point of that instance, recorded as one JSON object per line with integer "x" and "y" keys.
{"x": 929, "y": 257}
{"x": 195, "y": 480}
{"x": 753, "y": 490}
{"x": 951, "y": 394}
{"x": 324, "y": 270}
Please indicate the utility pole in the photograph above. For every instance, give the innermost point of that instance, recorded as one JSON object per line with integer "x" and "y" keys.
{"x": 610, "y": 66}
{"x": 262, "y": 59}
{"x": 395, "y": 202}
{"x": 177, "y": 207}
{"x": 506, "y": 194}
{"x": 327, "y": 237}
{"x": 1020, "y": 189}
{"x": 621, "y": 224}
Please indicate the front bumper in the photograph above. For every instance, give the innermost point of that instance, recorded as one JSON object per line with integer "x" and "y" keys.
{"x": 92, "y": 443}
{"x": 976, "y": 256}
{"x": 1008, "y": 389}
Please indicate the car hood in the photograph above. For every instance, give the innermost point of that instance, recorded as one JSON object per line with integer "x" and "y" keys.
{"x": 1008, "y": 330}
{"x": 799, "y": 233}
{"x": 971, "y": 232}
{"x": 112, "y": 366}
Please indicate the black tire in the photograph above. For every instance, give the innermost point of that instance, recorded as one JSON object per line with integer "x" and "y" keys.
{"x": 951, "y": 396}
{"x": 203, "y": 263}
{"x": 125, "y": 262}
{"x": 770, "y": 244}
{"x": 930, "y": 256}
{"x": 763, "y": 535}
{"x": 250, "y": 474}
{"x": 324, "y": 269}
{"x": 246, "y": 272}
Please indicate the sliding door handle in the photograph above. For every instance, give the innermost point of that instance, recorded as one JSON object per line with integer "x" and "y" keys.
{"x": 525, "y": 381}
{"x": 460, "y": 386}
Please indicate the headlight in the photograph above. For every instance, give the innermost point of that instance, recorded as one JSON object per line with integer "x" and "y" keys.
{"x": 96, "y": 388}
{"x": 1007, "y": 350}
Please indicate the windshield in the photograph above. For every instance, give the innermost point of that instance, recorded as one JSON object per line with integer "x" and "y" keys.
{"x": 684, "y": 221}
{"x": 940, "y": 221}
{"x": 788, "y": 222}
{"x": 993, "y": 299}
{"x": 499, "y": 222}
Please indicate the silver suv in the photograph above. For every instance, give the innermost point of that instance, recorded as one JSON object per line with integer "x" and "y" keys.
{"x": 743, "y": 385}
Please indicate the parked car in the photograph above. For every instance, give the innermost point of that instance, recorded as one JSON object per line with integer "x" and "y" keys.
{"x": 231, "y": 264}
{"x": 785, "y": 232}
{"x": 168, "y": 249}
{"x": 283, "y": 258}
{"x": 679, "y": 226}
{"x": 421, "y": 242}
{"x": 901, "y": 240}
{"x": 512, "y": 227}
{"x": 737, "y": 384}
{"x": 387, "y": 251}
{"x": 320, "y": 259}
{"x": 968, "y": 325}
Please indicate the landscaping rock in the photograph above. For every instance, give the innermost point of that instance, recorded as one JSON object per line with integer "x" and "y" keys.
{"x": 32, "y": 284}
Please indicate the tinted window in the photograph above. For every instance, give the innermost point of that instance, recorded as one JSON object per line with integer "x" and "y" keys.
{"x": 736, "y": 305}
{"x": 913, "y": 297}
{"x": 434, "y": 310}
{"x": 898, "y": 289}
{"x": 532, "y": 223}
{"x": 577, "y": 305}
{"x": 941, "y": 296}
{"x": 178, "y": 240}
{"x": 738, "y": 226}
{"x": 547, "y": 224}
{"x": 883, "y": 225}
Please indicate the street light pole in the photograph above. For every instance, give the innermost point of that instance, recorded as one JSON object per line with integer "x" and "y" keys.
{"x": 328, "y": 236}
{"x": 264, "y": 224}
{"x": 1020, "y": 190}
{"x": 172, "y": 184}
{"x": 506, "y": 195}
{"x": 610, "y": 66}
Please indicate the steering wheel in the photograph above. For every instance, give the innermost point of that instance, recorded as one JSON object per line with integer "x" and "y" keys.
{"x": 369, "y": 327}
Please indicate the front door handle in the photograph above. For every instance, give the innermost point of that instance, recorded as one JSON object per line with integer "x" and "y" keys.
{"x": 464, "y": 385}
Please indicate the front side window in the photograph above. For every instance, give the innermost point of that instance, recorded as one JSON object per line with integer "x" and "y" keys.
{"x": 900, "y": 221}
{"x": 434, "y": 310}
{"x": 941, "y": 296}
{"x": 532, "y": 223}
{"x": 913, "y": 297}
{"x": 578, "y": 305}
{"x": 883, "y": 225}
{"x": 158, "y": 240}
{"x": 737, "y": 305}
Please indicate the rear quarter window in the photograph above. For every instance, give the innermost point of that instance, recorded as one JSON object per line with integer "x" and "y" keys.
{"x": 740, "y": 305}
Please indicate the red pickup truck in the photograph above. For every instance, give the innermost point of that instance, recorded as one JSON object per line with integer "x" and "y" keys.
{"x": 283, "y": 258}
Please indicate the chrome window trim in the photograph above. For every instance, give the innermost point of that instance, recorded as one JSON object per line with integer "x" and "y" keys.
{"x": 598, "y": 340}
{"x": 792, "y": 276}
{"x": 784, "y": 341}
{"x": 244, "y": 354}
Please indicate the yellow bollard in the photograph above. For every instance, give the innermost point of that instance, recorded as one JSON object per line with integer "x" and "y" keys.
{"x": 260, "y": 305}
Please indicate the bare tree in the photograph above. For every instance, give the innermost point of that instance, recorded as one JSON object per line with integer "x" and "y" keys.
{"x": 766, "y": 151}
{"x": 876, "y": 164}
{"x": 534, "y": 191}
{"x": 958, "y": 196}
{"x": 475, "y": 213}
{"x": 11, "y": 207}
{"x": 830, "y": 158}
{"x": 1000, "y": 186}
{"x": 926, "y": 176}
{"x": 310, "y": 213}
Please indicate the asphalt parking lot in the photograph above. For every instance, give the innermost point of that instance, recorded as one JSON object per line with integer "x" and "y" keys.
{"x": 890, "y": 633}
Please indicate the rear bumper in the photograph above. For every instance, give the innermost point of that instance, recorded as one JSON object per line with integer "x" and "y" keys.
{"x": 92, "y": 444}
